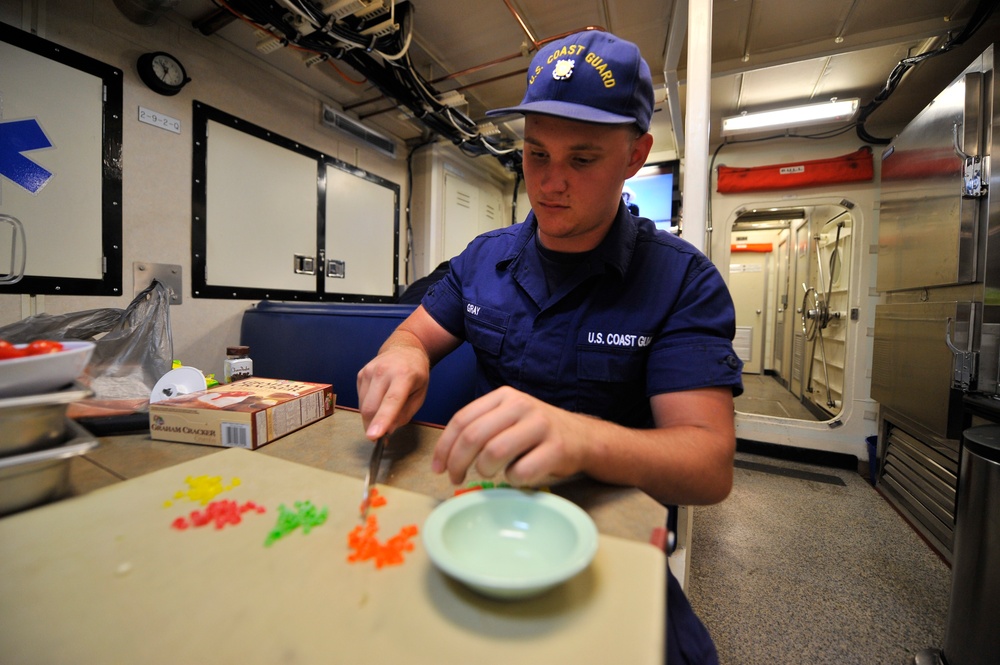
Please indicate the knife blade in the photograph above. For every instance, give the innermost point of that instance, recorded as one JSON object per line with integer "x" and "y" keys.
{"x": 372, "y": 475}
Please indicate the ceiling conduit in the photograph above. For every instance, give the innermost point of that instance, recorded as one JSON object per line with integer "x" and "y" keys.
{"x": 527, "y": 49}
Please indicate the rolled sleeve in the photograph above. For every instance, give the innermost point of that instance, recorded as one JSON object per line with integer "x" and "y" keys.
{"x": 694, "y": 349}
{"x": 697, "y": 365}
{"x": 443, "y": 302}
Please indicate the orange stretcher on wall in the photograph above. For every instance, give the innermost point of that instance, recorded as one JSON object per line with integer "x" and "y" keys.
{"x": 855, "y": 167}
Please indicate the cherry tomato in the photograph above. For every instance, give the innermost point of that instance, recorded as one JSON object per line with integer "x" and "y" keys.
{"x": 8, "y": 350}
{"x": 40, "y": 346}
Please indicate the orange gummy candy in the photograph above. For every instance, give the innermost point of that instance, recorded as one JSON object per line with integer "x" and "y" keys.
{"x": 364, "y": 543}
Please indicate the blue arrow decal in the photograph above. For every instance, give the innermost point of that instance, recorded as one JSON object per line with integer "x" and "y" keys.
{"x": 19, "y": 136}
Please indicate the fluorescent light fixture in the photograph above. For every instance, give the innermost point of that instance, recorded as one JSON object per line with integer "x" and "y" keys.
{"x": 794, "y": 116}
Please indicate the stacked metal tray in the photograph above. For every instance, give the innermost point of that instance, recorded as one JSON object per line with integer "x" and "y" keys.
{"x": 37, "y": 443}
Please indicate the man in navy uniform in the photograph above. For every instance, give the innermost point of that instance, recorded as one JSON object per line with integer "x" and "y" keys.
{"x": 603, "y": 345}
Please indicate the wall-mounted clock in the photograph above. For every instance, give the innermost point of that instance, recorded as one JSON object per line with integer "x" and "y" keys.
{"x": 162, "y": 72}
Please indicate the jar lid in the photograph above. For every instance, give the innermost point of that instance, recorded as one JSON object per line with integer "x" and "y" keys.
{"x": 237, "y": 350}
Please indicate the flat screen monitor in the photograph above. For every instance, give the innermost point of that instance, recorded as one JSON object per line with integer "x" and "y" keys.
{"x": 655, "y": 190}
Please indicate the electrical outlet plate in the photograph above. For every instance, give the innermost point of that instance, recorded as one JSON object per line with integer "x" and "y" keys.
{"x": 169, "y": 275}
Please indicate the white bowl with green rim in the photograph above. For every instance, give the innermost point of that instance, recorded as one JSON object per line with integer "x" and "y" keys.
{"x": 509, "y": 543}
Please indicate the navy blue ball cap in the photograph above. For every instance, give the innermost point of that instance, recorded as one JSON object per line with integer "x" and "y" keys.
{"x": 591, "y": 76}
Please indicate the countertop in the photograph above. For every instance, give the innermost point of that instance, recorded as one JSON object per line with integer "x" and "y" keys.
{"x": 106, "y": 576}
{"x": 337, "y": 444}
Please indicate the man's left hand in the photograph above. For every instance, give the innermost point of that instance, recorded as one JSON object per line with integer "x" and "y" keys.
{"x": 532, "y": 442}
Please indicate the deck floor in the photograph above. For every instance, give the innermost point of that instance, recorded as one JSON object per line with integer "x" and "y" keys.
{"x": 764, "y": 395}
{"x": 810, "y": 564}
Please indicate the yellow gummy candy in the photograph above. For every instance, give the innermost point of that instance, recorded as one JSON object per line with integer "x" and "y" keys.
{"x": 205, "y": 488}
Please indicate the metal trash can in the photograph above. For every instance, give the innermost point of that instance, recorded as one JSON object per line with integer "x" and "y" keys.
{"x": 972, "y": 636}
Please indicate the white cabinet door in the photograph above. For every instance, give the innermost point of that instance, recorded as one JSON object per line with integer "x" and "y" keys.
{"x": 361, "y": 226}
{"x": 490, "y": 208}
{"x": 60, "y": 169}
{"x": 461, "y": 214}
{"x": 470, "y": 209}
{"x": 261, "y": 205}
{"x": 275, "y": 219}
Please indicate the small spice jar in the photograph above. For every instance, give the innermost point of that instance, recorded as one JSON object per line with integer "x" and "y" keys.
{"x": 238, "y": 364}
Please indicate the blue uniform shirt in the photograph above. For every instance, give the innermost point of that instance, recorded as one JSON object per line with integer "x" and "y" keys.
{"x": 645, "y": 314}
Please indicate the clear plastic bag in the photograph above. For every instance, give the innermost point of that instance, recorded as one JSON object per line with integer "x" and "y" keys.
{"x": 134, "y": 348}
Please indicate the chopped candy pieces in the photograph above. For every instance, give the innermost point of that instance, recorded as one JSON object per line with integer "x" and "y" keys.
{"x": 203, "y": 489}
{"x": 480, "y": 485}
{"x": 219, "y": 513}
{"x": 375, "y": 500}
{"x": 305, "y": 516}
{"x": 364, "y": 543}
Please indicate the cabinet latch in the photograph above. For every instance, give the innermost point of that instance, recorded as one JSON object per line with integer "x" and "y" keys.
{"x": 974, "y": 185}
{"x": 964, "y": 363}
{"x": 305, "y": 265}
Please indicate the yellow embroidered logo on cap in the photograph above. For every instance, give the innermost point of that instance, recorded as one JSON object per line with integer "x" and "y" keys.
{"x": 572, "y": 49}
{"x": 598, "y": 63}
{"x": 563, "y": 69}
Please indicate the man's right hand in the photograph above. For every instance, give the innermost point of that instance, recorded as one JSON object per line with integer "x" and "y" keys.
{"x": 392, "y": 387}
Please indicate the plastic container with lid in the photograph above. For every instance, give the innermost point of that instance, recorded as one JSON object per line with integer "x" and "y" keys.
{"x": 238, "y": 364}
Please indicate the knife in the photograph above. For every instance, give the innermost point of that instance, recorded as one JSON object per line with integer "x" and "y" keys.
{"x": 372, "y": 475}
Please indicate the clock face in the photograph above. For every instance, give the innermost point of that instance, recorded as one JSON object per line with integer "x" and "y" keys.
{"x": 168, "y": 70}
{"x": 162, "y": 72}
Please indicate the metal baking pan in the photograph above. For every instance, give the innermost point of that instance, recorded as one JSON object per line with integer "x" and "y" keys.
{"x": 35, "y": 478}
{"x": 36, "y": 422}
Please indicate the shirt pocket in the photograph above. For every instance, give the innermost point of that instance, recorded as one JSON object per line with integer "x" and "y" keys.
{"x": 485, "y": 328}
{"x": 612, "y": 385}
{"x": 608, "y": 366}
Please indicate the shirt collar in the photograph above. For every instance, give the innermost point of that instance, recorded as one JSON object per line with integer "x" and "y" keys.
{"x": 615, "y": 251}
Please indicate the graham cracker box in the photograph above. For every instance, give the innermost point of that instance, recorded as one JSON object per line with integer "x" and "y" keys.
{"x": 243, "y": 414}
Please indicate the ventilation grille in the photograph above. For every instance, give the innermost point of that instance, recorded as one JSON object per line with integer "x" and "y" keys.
{"x": 343, "y": 123}
{"x": 743, "y": 343}
{"x": 798, "y": 350}
{"x": 920, "y": 478}
{"x": 491, "y": 214}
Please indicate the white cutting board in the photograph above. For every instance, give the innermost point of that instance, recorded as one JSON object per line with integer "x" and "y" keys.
{"x": 103, "y": 578}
